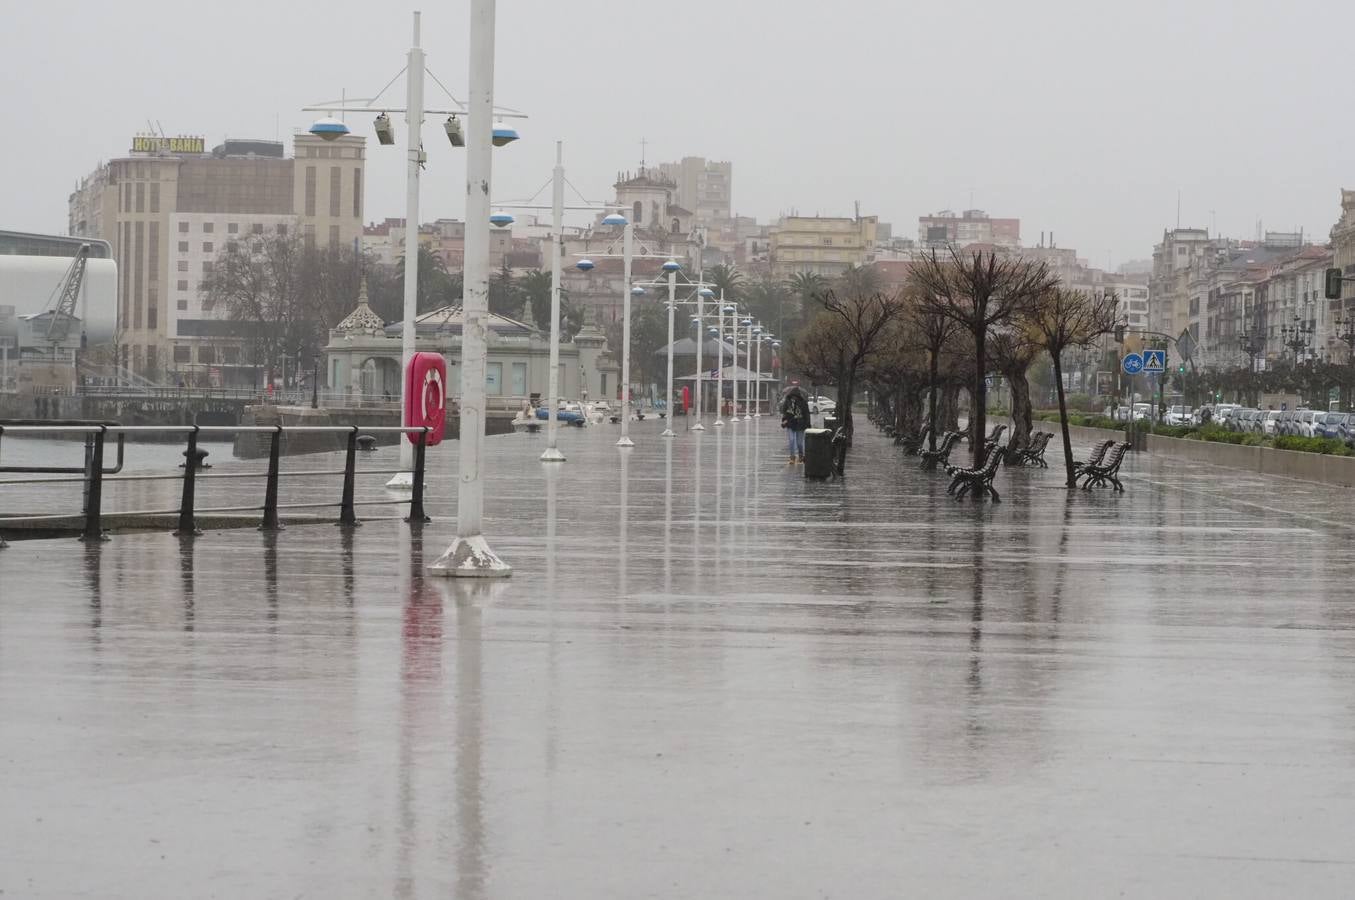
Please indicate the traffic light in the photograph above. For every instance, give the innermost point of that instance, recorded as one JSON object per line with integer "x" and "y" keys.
{"x": 1119, "y": 332}
{"x": 1333, "y": 291}
{"x": 1181, "y": 369}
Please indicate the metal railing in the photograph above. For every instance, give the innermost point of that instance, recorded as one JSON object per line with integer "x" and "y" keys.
{"x": 93, "y": 474}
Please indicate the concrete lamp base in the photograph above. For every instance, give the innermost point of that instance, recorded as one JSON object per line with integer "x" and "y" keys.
{"x": 698, "y": 427}
{"x": 470, "y": 557}
{"x": 552, "y": 454}
{"x": 667, "y": 432}
{"x": 625, "y": 442}
{"x": 402, "y": 481}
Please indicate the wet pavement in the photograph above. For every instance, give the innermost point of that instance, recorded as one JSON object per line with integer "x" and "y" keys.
{"x": 706, "y": 678}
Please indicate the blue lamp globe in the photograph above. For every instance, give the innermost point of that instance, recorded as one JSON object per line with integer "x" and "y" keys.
{"x": 745, "y": 323}
{"x": 696, "y": 321}
{"x": 503, "y": 134}
{"x": 757, "y": 330}
{"x": 500, "y": 218}
{"x": 776, "y": 345}
{"x": 729, "y": 309}
{"x": 614, "y": 219}
{"x": 328, "y": 128}
{"x": 672, "y": 266}
{"x": 637, "y": 291}
{"x": 713, "y": 331}
{"x": 585, "y": 265}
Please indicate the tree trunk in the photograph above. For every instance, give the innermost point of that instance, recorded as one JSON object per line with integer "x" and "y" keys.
{"x": 948, "y": 408}
{"x": 1063, "y": 421}
{"x": 1022, "y": 411}
{"x": 978, "y": 407}
{"x": 931, "y": 400}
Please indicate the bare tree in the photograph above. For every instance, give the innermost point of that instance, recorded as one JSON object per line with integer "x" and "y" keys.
{"x": 932, "y": 332}
{"x": 861, "y": 318}
{"x": 1062, "y": 319}
{"x": 1012, "y": 350}
{"x": 979, "y": 291}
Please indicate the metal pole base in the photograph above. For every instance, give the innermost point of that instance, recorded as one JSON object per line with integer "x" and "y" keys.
{"x": 667, "y": 432}
{"x": 719, "y": 423}
{"x": 757, "y": 415}
{"x": 470, "y": 557}
{"x": 698, "y": 427}
{"x": 403, "y": 481}
{"x": 625, "y": 442}
{"x": 552, "y": 454}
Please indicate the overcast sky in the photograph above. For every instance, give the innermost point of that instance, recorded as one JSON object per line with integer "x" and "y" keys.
{"x": 1080, "y": 117}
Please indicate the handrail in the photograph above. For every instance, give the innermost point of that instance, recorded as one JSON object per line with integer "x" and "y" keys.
{"x": 94, "y": 471}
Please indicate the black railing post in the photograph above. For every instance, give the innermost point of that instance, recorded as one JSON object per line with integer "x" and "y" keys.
{"x": 94, "y": 487}
{"x": 187, "y": 524}
{"x": 270, "y": 497}
{"x": 350, "y": 465}
{"x": 416, "y": 513}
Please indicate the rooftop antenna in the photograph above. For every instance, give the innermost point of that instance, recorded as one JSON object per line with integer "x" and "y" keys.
{"x": 643, "y": 143}
{"x": 1178, "y": 207}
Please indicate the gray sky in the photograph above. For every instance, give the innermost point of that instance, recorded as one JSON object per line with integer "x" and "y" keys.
{"x": 1080, "y": 117}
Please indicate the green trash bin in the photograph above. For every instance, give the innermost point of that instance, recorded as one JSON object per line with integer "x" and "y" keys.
{"x": 818, "y": 453}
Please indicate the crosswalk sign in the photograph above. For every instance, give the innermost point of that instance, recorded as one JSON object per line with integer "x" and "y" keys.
{"x": 1154, "y": 360}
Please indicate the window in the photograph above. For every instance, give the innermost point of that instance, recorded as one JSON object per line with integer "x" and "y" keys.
{"x": 230, "y": 354}
{"x": 357, "y": 193}
{"x": 155, "y": 196}
{"x": 141, "y": 198}
{"x": 183, "y": 307}
{"x": 334, "y": 235}
{"x": 206, "y": 246}
{"x": 181, "y": 284}
{"x": 181, "y": 355}
{"x": 258, "y": 228}
{"x": 208, "y": 227}
{"x": 494, "y": 378}
{"x": 207, "y": 354}
{"x": 183, "y": 246}
{"x": 154, "y": 252}
{"x": 637, "y": 212}
{"x": 183, "y": 265}
{"x": 310, "y": 190}
{"x": 282, "y": 230}
{"x": 183, "y": 229}
{"x": 232, "y": 227}
{"x": 334, "y": 191}
{"x": 206, "y": 267}
{"x": 519, "y": 379}
{"x": 828, "y": 242}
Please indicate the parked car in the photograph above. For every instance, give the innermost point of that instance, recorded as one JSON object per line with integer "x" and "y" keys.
{"x": 1179, "y": 415}
{"x": 1271, "y": 422}
{"x": 1328, "y": 425}
{"x": 1346, "y": 431}
{"x": 1141, "y": 411}
{"x": 1239, "y": 419}
{"x": 1303, "y": 422}
{"x": 1253, "y": 422}
{"x": 825, "y": 405}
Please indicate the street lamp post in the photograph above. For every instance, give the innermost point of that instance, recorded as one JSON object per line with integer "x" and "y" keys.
{"x": 671, "y": 267}
{"x": 702, "y": 295}
{"x": 757, "y": 332}
{"x": 469, "y": 554}
{"x": 552, "y": 452}
{"x": 627, "y": 245}
{"x": 748, "y": 371}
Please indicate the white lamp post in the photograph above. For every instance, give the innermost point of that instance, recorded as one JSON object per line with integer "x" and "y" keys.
{"x": 552, "y": 452}
{"x": 702, "y": 295}
{"x": 330, "y": 129}
{"x": 627, "y": 245}
{"x": 748, "y": 369}
{"x": 671, "y": 267}
{"x": 720, "y": 353}
{"x": 469, "y": 554}
{"x": 757, "y": 333}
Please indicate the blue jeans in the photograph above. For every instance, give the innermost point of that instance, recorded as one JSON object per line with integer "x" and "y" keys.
{"x": 795, "y": 442}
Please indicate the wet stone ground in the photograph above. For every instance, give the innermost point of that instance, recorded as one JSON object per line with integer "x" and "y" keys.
{"x": 706, "y": 678}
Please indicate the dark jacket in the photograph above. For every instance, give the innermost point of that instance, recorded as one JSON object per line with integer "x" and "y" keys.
{"x": 795, "y": 410}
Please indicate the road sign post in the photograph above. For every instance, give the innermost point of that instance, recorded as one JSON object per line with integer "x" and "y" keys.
{"x": 1132, "y": 364}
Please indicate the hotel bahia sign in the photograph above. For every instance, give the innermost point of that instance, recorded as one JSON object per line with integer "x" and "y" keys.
{"x": 154, "y": 143}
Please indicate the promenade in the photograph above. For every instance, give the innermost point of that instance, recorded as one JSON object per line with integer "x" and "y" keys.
{"x": 706, "y": 678}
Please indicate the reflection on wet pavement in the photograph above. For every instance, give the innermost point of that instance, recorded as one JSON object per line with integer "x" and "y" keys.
{"x": 706, "y": 678}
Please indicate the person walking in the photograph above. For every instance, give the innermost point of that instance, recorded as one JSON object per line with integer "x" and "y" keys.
{"x": 794, "y": 409}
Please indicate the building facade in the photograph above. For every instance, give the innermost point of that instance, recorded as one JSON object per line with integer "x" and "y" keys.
{"x": 170, "y": 205}
{"x": 973, "y": 226}
{"x": 703, "y": 186}
{"x": 822, "y": 245}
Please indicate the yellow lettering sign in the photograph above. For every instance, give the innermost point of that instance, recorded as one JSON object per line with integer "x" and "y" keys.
{"x": 149, "y": 143}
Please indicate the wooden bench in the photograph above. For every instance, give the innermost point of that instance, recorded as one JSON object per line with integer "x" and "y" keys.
{"x": 1106, "y": 471}
{"x": 979, "y": 480}
{"x": 912, "y": 443}
{"x": 1098, "y": 453}
{"x": 1032, "y": 455}
{"x": 942, "y": 453}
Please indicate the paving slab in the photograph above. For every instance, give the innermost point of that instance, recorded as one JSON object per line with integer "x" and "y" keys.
{"x": 706, "y": 678}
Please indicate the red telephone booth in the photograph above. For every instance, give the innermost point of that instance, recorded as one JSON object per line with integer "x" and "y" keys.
{"x": 426, "y": 396}
{"x": 686, "y": 399}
